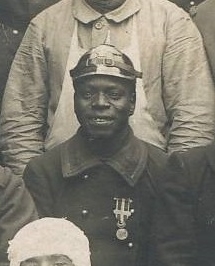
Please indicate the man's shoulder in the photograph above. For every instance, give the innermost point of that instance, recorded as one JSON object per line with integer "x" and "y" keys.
{"x": 197, "y": 156}
{"x": 52, "y": 158}
{"x": 164, "y": 6}
{"x": 156, "y": 157}
{"x": 55, "y": 12}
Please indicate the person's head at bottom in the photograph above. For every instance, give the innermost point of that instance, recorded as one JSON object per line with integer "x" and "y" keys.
{"x": 49, "y": 242}
{"x": 104, "y": 82}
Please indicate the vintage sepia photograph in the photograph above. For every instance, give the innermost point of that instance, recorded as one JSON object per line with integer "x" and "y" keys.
{"x": 107, "y": 126}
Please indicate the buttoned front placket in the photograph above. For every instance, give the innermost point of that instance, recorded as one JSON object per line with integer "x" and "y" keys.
{"x": 100, "y": 31}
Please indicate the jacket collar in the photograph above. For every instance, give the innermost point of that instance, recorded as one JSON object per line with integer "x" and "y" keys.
{"x": 84, "y": 13}
{"x": 129, "y": 161}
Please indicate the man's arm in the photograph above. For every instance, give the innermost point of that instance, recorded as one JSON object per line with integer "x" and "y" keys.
{"x": 188, "y": 89}
{"x": 40, "y": 182}
{"x": 16, "y": 209}
{"x": 24, "y": 108}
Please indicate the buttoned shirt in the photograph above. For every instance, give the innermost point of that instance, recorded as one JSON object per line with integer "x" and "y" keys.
{"x": 177, "y": 80}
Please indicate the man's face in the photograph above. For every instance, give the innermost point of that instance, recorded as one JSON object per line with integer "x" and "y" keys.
{"x": 51, "y": 260}
{"x": 103, "y": 105}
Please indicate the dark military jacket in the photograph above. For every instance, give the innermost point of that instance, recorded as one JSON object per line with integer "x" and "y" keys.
{"x": 73, "y": 182}
{"x": 16, "y": 209}
{"x": 204, "y": 20}
{"x": 198, "y": 176}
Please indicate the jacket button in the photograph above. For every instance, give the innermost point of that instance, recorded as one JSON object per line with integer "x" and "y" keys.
{"x": 130, "y": 245}
{"x": 85, "y": 176}
{"x": 15, "y": 32}
{"x": 84, "y": 213}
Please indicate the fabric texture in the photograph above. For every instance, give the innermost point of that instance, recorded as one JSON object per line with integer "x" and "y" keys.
{"x": 204, "y": 21}
{"x": 16, "y": 209}
{"x": 171, "y": 55}
{"x": 197, "y": 175}
{"x": 72, "y": 181}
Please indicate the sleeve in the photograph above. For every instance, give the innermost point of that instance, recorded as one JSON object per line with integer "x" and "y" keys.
{"x": 24, "y": 107}
{"x": 173, "y": 232}
{"x": 188, "y": 89}
{"x": 40, "y": 188}
{"x": 16, "y": 209}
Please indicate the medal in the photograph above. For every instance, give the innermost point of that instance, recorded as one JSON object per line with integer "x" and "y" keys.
{"x": 122, "y": 234}
{"x": 122, "y": 213}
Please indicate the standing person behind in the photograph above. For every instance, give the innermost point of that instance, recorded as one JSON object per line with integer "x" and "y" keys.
{"x": 106, "y": 180}
{"x": 204, "y": 20}
{"x": 16, "y": 209}
{"x": 175, "y": 108}
{"x": 13, "y": 22}
{"x": 14, "y": 18}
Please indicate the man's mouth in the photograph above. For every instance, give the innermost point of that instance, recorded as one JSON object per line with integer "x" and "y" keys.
{"x": 101, "y": 120}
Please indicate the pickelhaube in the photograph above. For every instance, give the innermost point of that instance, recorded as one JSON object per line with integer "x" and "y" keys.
{"x": 105, "y": 59}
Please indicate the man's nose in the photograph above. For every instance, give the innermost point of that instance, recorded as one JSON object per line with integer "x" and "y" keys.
{"x": 100, "y": 100}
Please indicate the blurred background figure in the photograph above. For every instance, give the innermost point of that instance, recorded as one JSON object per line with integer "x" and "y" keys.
{"x": 14, "y": 18}
{"x": 16, "y": 209}
{"x": 204, "y": 20}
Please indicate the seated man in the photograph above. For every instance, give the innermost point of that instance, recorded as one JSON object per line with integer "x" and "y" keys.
{"x": 105, "y": 179}
{"x": 16, "y": 209}
{"x": 49, "y": 241}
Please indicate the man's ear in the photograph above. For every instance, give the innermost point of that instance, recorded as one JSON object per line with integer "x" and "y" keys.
{"x": 132, "y": 103}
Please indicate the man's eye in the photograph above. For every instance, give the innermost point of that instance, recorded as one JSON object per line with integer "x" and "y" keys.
{"x": 114, "y": 95}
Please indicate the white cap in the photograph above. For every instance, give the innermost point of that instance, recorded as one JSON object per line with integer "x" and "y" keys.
{"x": 49, "y": 236}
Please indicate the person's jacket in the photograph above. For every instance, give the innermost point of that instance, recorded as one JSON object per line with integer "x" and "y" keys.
{"x": 15, "y": 16}
{"x": 16, "y": 209}
{"x": 198, "y": 176}
{"x": 204, "y": 20}
{"x": 176, "y": 77}
{"x": 72, "y": 181}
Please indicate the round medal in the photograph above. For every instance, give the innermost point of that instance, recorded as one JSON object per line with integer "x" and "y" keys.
{"x": 122, "y": 234}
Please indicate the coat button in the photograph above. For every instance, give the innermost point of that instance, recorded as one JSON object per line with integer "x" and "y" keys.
{"x": 98, "y": 25}
{"x": 15, "y": 32}
{"x": 130, "y": 245}
{"x": 86, "y": 176}
{"x": 84, "y": 213}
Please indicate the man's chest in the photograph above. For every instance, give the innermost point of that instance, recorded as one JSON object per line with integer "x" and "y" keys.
{"x": 113, "y": 214}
